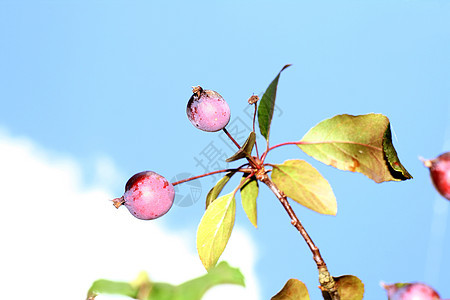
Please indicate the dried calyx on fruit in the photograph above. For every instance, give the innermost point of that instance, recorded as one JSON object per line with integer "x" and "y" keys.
{"x": 207, "y": 110}
{"x": 147, "y": 196}
{"x": 440, "y": 173}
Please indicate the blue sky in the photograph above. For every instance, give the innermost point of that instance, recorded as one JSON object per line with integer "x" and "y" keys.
{"x": 110, "y": 80}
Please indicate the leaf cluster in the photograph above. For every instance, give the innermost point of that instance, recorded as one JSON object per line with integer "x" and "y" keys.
{"x": 361, "y": 143}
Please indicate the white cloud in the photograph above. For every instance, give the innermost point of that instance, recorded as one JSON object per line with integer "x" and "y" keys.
{"x": 106, "y": 174}
{"x": 58, "y": 237}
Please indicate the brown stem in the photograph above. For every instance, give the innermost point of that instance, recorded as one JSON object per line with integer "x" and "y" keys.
{"x": 326, "y": 280}
{"x": 244, "y": 182}
{"x": 254, "y": 120}
{"x": 240, "y": 169}
{"x": 231, "y": 138}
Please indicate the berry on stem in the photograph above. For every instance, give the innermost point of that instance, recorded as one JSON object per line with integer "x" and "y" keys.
{"x": 440, "y": 173}
{"x": 207, "y": 110}
{"x": 147, "y": 196}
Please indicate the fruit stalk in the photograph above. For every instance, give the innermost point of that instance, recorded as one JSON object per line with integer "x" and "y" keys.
{"x": 239, "y": 169}
{"x": 253, "y": 101}
{"x": 231, "y": 138}
{"x": 327, "y": 283}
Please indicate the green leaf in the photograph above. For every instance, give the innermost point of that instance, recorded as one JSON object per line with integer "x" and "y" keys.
{"x": 215, "y": 229}
{"x": 196, "y": 288}
{"x": 222, "y": 273}
{"x": 267, "y": 106}
{"x": 215, "y": 191}
{"x": 103, "y": 286}
{"x": 249, "y": 193}
{"x": 303, "y": 183}
{"x": 164, "y": 291}
{"x": 143, "y": 285}
{"x": 245, "y": 150}
{"x": 190, "y": 290}
{"x": 356, "y": 143}
{"x": 294, "y": 289}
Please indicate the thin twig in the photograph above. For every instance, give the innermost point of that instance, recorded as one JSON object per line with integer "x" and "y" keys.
{"x": 254, "y": 120}
{"x": 326, "y": 280}
{"x": 231, "y": 138}
{"x": 240, "y": 169}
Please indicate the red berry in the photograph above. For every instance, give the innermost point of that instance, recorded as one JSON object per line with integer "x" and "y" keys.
{"x": 411, "y": 291}
{"x": 147, "y": 196}
{"x": 207, "y": 110}
{"x": 440, "y": 173}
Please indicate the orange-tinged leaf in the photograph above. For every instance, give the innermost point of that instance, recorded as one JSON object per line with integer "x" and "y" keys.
{"x": 349, "y": 287}
{"x": 356, "y": 143}
{"x": 294, "y": 289}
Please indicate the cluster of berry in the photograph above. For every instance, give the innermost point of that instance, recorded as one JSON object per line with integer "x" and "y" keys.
{"x": 149, "y": 195}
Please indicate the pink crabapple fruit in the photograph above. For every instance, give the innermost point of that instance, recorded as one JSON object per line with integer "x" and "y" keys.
{"x": 410, "y": 291}
{"x": 147, "y": 196}
{"x": 440, "y": 173}
{"x": 207, "y": 110}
